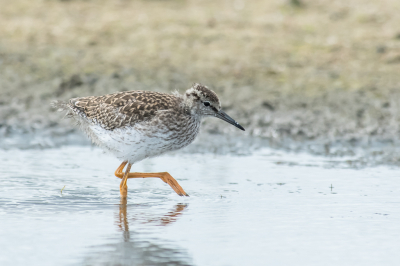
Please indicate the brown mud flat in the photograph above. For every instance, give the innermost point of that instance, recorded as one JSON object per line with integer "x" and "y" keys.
{"x": 300, "y": 75}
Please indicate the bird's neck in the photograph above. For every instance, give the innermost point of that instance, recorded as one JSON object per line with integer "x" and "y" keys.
{"x": 189, "y": 107}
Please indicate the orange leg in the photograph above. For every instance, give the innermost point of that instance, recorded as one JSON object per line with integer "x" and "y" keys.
{"x": 118, "y": 172}
{"x": 164, "y": 176}
{"x": 123, "y": 188}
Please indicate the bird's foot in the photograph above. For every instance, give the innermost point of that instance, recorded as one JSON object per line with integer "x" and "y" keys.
{"x": 167, "y": 178}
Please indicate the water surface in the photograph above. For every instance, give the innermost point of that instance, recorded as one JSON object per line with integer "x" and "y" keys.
{"x": 268, "y": 208}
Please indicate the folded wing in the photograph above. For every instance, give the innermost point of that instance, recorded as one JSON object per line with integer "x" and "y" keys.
{"x": 123, "y": 108}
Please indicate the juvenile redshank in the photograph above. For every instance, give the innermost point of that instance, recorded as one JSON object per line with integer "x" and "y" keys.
{"x": 135, "y": 125}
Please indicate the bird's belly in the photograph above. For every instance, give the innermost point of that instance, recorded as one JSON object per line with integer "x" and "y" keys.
{"x": 136, "y": 143}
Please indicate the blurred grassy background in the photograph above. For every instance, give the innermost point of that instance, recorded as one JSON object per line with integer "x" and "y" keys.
{"x": 284, "y": 68}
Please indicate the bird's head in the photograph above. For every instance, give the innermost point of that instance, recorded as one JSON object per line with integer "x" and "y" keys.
{"x": 204, "y": 102}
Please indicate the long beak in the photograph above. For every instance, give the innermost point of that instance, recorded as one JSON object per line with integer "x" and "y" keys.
{"x": 222, "y": 115}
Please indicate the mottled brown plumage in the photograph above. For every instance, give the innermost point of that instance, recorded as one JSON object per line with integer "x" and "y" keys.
{"x": 123, "y": 108}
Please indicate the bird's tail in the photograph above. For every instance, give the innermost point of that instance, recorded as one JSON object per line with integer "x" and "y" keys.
{"x": 60, "y": 105}
{"x": 63, "y": 106}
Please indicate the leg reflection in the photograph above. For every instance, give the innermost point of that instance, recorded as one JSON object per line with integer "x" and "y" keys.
{"x": 138, "y": 247}
{"x": 139, "y": 215}
{"x": 123, "y": 219}
{"x": 171, "y": 216}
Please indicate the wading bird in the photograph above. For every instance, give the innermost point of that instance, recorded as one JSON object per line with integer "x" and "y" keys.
{"x": 135, "y": 125}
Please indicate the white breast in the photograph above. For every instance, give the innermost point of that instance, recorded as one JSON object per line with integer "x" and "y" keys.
{"x": 142, "y": 140}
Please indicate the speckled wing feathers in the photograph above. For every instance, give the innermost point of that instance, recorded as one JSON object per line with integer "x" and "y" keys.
{"x": 123, "y": 108}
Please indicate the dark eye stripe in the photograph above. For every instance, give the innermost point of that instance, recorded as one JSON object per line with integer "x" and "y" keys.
{"x": 206, "y": 103}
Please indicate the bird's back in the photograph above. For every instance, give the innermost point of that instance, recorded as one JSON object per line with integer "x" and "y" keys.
{"x": 123, "y": 108}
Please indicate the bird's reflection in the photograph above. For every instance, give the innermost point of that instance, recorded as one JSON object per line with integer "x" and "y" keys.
{"x": 138, "y": 247}
{"x": 144, "y": 218}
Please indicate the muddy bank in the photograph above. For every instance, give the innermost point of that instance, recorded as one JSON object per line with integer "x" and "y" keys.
{"x": 333, "y": 123}
{"x": 321, "y": 77}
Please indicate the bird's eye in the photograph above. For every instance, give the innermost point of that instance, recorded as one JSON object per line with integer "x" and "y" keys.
{"x": 206, "y": 103}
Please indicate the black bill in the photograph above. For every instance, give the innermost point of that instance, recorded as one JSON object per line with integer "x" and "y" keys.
{"x": 222, "y": 115}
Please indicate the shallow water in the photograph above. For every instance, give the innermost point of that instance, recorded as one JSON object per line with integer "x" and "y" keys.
{"x": 269, "y": 208}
